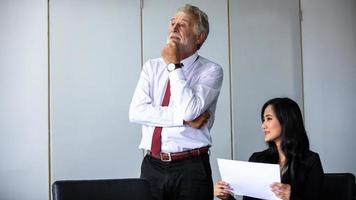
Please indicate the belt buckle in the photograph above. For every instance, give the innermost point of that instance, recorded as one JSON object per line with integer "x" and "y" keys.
{"x": 169, "y": 157}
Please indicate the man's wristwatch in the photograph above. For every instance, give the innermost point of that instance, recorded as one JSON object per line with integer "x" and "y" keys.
{"x": 171, "y": 66}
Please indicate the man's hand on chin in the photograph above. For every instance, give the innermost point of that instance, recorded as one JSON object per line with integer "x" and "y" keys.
{"x": 170, "y": 53}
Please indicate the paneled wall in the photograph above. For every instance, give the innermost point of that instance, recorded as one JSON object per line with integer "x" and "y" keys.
{"x": 266, "y": 63}
{"x": 23, "y": 100}
{"x": 95, "y": 63}
{"x": 66, "y": 117}
{"x": 329, "y": 52}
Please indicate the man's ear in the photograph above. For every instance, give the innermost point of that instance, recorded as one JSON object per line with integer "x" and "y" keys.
{"x": 200, "y": 38}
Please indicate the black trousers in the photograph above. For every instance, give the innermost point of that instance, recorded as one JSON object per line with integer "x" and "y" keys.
{"x": 188, "y": 179}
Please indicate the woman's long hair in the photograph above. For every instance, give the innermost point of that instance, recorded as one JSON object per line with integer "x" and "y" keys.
{"x": 295, "y": 142}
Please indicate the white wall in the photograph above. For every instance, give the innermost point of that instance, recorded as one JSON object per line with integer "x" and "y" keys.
{"x": 266, "y": 63}
{"x": 95, "y": 60}
{"x": 23, "y": 100}
{"x": 329, "y": 52}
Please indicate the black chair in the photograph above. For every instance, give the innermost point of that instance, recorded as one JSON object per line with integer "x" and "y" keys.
{"x": 112, "y": 189}
{"x": 339, "y": 186}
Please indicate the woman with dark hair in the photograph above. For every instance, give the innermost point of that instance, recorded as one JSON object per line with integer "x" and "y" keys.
{"x": 288, "y": 145}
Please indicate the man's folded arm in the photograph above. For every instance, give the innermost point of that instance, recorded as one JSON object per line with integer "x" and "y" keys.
{"x": 190, "y": 102}
{"x": 143, "y": 111}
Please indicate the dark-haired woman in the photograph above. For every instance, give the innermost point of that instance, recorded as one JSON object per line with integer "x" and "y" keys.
{"x": 288, "y": 145}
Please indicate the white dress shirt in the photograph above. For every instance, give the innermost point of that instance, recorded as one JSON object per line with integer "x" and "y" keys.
{"x": 194, "y": 89}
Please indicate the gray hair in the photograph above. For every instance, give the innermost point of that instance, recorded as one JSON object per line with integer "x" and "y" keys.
{"x": 202, "y": 20}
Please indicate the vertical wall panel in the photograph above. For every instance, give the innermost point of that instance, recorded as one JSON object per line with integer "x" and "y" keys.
{"x": 95, "y": 65}
{"x": 23, "y": 100}
{"x": 266, "y": 63}
{"x": 95, "y": 60}
{"x": 157, "y": 15}
{"x": 329, "y": 47}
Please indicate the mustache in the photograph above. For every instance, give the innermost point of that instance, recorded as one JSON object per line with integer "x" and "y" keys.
{"x": 174, "y": 35}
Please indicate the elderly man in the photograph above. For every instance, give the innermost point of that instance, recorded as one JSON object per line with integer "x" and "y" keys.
{"x": 175, "y": 101}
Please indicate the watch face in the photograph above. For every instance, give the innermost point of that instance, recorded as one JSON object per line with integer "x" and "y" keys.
{"x": 171, "y": 67}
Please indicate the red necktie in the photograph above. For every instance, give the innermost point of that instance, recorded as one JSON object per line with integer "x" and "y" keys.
{"x": 156, "y": 138}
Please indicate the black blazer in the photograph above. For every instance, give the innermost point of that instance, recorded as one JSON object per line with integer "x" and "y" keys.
{"x": 309, "y": 176}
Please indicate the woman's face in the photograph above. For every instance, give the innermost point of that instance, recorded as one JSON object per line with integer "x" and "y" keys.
{"x": 270, "y": 126}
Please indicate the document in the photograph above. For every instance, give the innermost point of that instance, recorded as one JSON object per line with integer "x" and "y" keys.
{"x": 250, "y": 178}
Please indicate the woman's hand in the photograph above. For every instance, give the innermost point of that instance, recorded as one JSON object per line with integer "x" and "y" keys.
{"x": 222, "y": 190}
{"x": 281, "y": 190}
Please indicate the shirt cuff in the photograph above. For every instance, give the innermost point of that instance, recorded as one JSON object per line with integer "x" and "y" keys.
{"x": 177, "y": 119}
{"x": 176, "y": 75}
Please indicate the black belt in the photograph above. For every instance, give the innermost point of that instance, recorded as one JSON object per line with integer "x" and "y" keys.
{"x": 168, "y": 157}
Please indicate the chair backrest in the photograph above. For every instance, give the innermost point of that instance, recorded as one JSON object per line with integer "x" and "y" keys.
{"x": 339, "y": 186}
{"x": 112, "y": 189}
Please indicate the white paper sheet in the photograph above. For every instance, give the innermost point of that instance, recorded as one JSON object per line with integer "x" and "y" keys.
{"x": 250, "y": 178}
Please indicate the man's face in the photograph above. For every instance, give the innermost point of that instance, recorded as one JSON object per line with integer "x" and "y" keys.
{"x": 181, "y": 31}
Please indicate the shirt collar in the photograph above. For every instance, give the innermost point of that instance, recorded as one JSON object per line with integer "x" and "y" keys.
{"x": 190, "y": 60}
